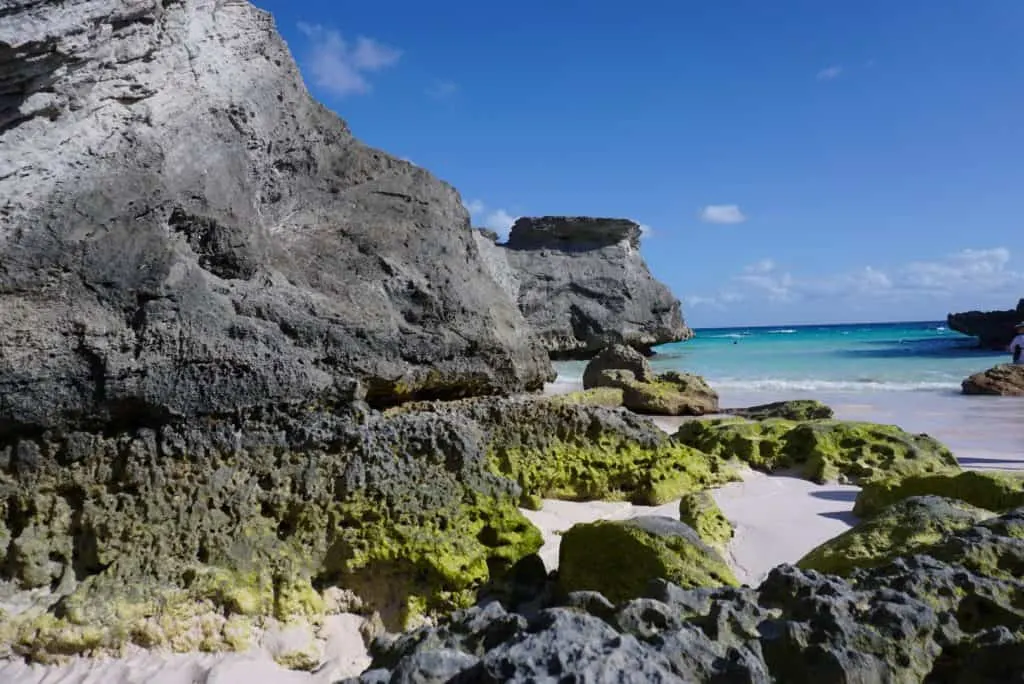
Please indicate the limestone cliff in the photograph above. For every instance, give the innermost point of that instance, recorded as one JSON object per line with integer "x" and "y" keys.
{"x": 994, "y": 329}
{"x": 185, "y": 231}
{"x": 583, "y": 285}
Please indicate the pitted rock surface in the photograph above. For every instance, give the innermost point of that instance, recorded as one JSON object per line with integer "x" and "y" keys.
{"x": 185, "y": 231}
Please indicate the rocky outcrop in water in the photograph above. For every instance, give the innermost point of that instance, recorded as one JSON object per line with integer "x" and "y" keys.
{"x": 952, "y": 618}
{"x": 994, "y": 329}
{"x": 185, "y": 231}
{"x": 583, "y": 285}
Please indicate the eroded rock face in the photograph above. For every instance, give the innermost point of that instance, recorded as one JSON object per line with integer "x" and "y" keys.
{"x": 955, "y": 618}
{"x": 583, "y": 285}
{"x": 1006, "y": 380}
{"x": 184, "y": 231}
{"x": 994, "y": 329}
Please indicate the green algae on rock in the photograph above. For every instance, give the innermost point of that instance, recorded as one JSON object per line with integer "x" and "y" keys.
{"x": 998, "y": 492}
{"x": 142, "y": 534}
{"x": 619, "y": 558}
{"x": 820, "y": 450}
{"x": 699, "y": 511}
{"x": 585, "y": 453}
{"x": 671, "y": 394}
{"x": 793, "y": 409}
{"x": 913, "y": 525}
{"x": 610, "y": 397}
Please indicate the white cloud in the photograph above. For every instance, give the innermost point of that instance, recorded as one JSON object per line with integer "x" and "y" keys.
{"x": 645, "y": 230}
{"x": 498, "y": 220}
{"x": 340, "y": 68}
{"x": 722, "y": 214}
{"x": 978, "y": 273}
{"x": 440, "y": 90}
{"x": 830, "y": 73}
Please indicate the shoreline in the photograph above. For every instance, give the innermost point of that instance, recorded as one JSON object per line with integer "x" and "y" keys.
{"x": 777, "y": 519}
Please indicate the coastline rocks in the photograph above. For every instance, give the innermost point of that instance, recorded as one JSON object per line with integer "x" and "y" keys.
{"x": 616, "y": 357}
{"x": 576, "y": 452}
{"x": 403, "y": 511}
{"x": 994, "y": 329}
{"x": 914, "y": 619}
{"x": 671, "y": 394}
{"x": 582, "y": 285}
{"x": 908, "y": 527}
{"x": 820, "y": 450}
{"x": 619, "y": 558}
{"x": 794, "y": 409}
{"x": 1005, "y": 380}
{"x": 187, "y": 232}
{"x": 992, "y": 491}
{"x": 668, "y": 394}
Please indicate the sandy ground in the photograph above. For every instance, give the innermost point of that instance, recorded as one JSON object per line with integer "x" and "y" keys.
{"x": 778, "y": 519}
{"x": 339, "y": 642}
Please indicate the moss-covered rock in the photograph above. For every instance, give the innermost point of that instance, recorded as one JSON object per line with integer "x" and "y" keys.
{"x": 613, "y": 358}
{"x": 699, "y": 511}
{"x": 821, "y": 450}
{"x": 794, "y": 409}
{"x": 997, "y": 492}
{"x": 671, "y": 394}
{"x": 619, "y": 558}
{"x": 585, "y": 453}
{"x": 610, "y": 397}
{"x": 910, "y": 526}
{"x": 143, "y": 535}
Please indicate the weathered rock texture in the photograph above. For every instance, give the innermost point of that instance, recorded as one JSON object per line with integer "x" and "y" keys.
{"x": 994, "y": 329}
{"x": 1005, "y": 380}
{"x": 184, "y": 230}
{"x": 582, "y": 285}
{"x": 954, "y": 616}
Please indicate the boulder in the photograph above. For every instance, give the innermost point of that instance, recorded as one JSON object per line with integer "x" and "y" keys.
{"x": 994, "y": 329}
{"x": 671, "y": 394}
{"x": 794, "y": 409}
{"x": 619, "y": 558}
{"x": 187, "y": 232}
{"x": 583, "y": 285}
{"x": 910, "y": 526}
{"x": 992, "y": 491}
{"x": 912, "y": 619}
{"x": 616, "y": 357}
{"x": 700, "y": 511}
{"x": 1005, "y": 380}
{"x": 820, "y": 450}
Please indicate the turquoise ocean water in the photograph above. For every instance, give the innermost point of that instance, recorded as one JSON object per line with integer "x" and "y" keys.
{"x": 905, "y": 374}
{"x": 918, "y": 356}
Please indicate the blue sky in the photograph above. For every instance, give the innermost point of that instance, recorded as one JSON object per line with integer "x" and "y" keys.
{"x": 795, "y": 161}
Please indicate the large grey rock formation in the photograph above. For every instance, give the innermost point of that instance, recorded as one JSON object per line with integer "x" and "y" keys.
{"x": 994, "y": 329}
{"x": 583, "y": 285}
{"x": 184, "y": 230}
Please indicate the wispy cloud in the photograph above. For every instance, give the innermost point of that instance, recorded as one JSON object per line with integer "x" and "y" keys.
{"x": 339, "y": 67}
{"x": 967, "y": 273}
{"x": 497, "y": 219}
{"x": 645, "y": 230}
{"x": 722, "y": 214}
{"x": 442, "y": 90}
{"x": 830, "y": 73}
